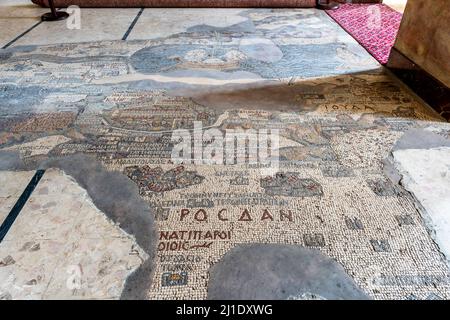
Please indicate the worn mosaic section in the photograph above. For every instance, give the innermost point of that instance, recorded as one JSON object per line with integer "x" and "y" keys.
{"x": 293, "y": 70}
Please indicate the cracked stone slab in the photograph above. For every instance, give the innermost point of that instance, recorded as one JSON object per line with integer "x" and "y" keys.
{"x": 115, "y": 196}
{"x": 269, "y": 271}
{"x": 62, "y": 247}
{"x": 426, "y": 174}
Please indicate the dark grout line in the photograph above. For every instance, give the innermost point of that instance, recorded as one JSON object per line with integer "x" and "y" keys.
{"x": 6, "y": 225}
{"x": 130, "y": 28}
{"x": 21, "y": 35}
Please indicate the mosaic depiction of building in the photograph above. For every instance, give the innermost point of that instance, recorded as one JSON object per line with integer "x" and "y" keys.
{"x": 121, "y": 101}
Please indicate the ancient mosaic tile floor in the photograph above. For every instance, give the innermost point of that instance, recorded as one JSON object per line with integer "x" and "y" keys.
{"x": 339, "y": 115}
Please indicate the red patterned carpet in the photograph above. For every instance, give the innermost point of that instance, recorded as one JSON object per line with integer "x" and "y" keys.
{"x": 374, "y": 26}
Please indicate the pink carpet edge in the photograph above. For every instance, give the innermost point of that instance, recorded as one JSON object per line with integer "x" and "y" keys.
{"x": 373, "y": 26}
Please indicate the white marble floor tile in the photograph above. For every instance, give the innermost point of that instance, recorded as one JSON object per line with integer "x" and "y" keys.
{"x": 12, "y": 184}
{"x": 95, "y": 25}
{"x": 16, "y": 18}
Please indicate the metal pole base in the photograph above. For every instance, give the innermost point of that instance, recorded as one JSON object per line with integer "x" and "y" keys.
{"x": 58, "y": 15}
{"x": 327, "y": 5}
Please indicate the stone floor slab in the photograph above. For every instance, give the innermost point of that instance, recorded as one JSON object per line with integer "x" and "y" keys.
{"x": 426, "y": 173}
{"x": 96, "y": 24}
{"x": 16, "y": 18}
{"x": 61, "y": 246}
{"x": 12, "y": 184}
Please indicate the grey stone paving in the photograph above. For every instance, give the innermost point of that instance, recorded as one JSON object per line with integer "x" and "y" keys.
{"x": 280, "y": 272}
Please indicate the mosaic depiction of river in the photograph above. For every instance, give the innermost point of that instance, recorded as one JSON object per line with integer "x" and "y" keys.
{"x": 120, "y": 102}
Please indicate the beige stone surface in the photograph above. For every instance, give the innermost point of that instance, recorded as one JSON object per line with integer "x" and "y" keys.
{"x": 12, "y": 184}
{"x": 17, "y": 17}
{"x": 96, "y": 24}
{"x": 61, "y": 246}
{"x": 13, "y": 2}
